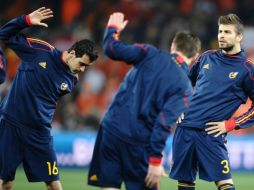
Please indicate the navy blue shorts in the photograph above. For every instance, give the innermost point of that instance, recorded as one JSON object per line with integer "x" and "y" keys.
{"x": 195, "y": 151}
{"x": 34, "y": 150}
{"x": 115, "y": 161}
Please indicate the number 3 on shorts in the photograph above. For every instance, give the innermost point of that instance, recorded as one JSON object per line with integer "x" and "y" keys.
{"x": 226, "y": 168}
{"x": 52, "y": 170}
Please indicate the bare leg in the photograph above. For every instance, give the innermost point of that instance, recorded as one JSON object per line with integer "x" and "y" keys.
{"x": 53, "y": 185}
{"x": 6, "y": 185}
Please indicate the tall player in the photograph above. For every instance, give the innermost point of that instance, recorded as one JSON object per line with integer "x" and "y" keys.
{"x": 44, "y": 75}
{"x": 223, "y": 80}
{"x": 152, "y": 95}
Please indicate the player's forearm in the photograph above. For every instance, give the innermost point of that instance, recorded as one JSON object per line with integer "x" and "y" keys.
{"x": 13, "y": 27}
{"x": 157, "y": 144}
{"x": 109, "y": 43}
{"x": 244, "y": 121}
{"x": 118, "y": 50}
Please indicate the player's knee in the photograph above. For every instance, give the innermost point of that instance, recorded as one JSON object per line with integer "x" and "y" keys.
{"x": 226, "y": 186}
{"x": 7, "y": 185}
{"x": 185, "y": 185}
{"x": 53, "y": 185}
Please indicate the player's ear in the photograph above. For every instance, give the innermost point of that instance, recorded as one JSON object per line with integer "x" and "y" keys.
{"x": 172, "y": 47}
{"x": 73, "y": 53}
{"x": 239, "y": 37}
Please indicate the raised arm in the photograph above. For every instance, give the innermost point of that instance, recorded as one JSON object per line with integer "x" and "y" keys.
{"x": 13, "y": 27}
{"x": 10, "y": 33}
{"x": 116, "y": 49}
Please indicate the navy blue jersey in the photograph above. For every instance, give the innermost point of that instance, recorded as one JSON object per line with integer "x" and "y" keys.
{"x": 150, "y": 98}
{"x": 2, "y": 66}
{"x": 42, "y": 77}
{"x": 222, "y": 83}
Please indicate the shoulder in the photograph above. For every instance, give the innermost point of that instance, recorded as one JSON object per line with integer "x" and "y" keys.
{"x": 205, "y": 55}
{"x": 249, "y": 68}
{"x": 39, "y": 44}
{"x": 209, "y": 52}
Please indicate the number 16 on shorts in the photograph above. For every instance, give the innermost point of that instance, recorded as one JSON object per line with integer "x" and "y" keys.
{"x": 52, "y": 169}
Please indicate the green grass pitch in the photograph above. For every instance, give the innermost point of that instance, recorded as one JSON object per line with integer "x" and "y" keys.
{"x": 75, "y": 179}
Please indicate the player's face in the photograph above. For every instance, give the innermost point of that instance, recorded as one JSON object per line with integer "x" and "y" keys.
{"x": 79, "y": 64}
{"x": 227, "y": 37}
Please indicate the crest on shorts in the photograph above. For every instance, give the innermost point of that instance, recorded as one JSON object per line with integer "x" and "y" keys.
{"x": 93, "y": 178}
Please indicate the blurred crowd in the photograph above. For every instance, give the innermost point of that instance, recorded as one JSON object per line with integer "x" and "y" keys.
{"x": 150, "y": 21}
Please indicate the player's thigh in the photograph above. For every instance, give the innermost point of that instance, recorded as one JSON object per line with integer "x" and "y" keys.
{"x": 105, "y": 169}
{"x": 213, "y": 158}
{"x": 10, "y": 150}
{"x": 40, "y": 163}
{"x": 135, "y": 166}
{"x": 184, "y": 160}
{"x": 135, "y": 185}
{"x": 135, "y": 163}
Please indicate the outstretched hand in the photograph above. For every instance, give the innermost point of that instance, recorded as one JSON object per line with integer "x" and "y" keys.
{"x": 117, "y": 20}
{"x": 216, "y": 127}
{"x": 153, "y": 176}
{"x": 39, "y": 15}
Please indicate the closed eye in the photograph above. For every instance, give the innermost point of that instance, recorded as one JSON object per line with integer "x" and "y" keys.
{"x": 84, "y": 64}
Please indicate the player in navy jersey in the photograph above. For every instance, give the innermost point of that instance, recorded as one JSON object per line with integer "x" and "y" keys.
{"x": 44, "y": 75}
{"x": 136, "y": 125}
{"x": 2, "y": 73}
{"x": 223, "y": 80}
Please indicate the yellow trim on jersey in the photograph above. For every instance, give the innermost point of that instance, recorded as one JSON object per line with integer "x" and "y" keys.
{"x": 244, "y": 118}
{"x": 250, "y": 61}
{"x": 42, "y": 42}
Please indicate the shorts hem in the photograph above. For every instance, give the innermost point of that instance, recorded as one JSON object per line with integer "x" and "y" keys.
{"x": 97, "y": 184}
{"x": 178, "y": 178}
{"x": 42, "y": 180}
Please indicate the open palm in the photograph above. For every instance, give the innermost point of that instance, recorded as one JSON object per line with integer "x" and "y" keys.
{"x": 39, "y": 15}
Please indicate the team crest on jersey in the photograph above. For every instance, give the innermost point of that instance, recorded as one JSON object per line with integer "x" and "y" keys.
{"x": 43, "y": 64}
{"x": 64, "y": 86}
{"x": 206, "y": 66}
{"x": 232, "y": 75}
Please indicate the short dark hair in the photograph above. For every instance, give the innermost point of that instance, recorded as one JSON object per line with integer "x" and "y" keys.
{"x": 187, "y": 43}
{"x": 232, "y": 19}
{"x": 87, "y": 47}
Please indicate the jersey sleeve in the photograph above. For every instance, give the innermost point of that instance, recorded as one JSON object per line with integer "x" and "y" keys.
{"x": 247, "y": 119}
{"x": 193, "y": 74}
{"x": 118, "y": 50}
{"x": 11, "y": 35}
{"x": 2, "y": 67}
{"x": 175, "y": 105}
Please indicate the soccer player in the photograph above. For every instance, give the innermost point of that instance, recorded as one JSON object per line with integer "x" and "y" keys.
{"x": 44, "y": 75}
{"x": 2, "y": 73}
{"x": 136, "y": 125}
{"x": 223, "y": 80}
